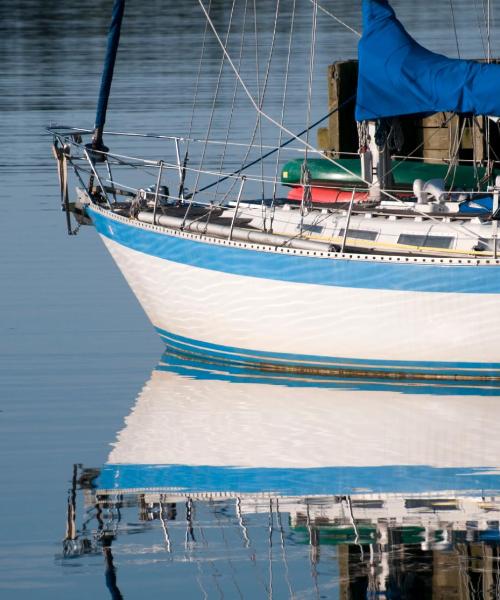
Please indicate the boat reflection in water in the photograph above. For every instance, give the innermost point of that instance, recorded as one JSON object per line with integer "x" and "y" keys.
{"x": 249, "y": 484}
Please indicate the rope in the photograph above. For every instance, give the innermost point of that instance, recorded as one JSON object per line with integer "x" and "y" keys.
{"x": 61, "y": 157}
{"x": 410, "y": 154}
{"x": 395, "y": 139}
{"x": 363, "y": 136}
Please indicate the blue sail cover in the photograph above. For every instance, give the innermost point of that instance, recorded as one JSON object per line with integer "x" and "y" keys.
{"x": 398, "y": 76}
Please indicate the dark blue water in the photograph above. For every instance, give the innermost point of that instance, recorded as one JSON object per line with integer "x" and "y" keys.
{"x": 76, "y": 350}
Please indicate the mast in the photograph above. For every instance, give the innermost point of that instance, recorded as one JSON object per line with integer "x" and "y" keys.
{"x": 107, "y": 75}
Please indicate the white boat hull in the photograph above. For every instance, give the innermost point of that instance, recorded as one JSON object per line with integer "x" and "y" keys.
{"x": 438, "y": 318}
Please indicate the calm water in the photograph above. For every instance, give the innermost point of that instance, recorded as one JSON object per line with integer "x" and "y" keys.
{"x": 334, "y": 486}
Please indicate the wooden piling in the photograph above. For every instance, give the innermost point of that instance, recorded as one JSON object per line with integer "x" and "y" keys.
{"x": 435, "y": 137}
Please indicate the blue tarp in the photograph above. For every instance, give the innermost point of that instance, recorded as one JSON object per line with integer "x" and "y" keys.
{"x": 398, "y": 76}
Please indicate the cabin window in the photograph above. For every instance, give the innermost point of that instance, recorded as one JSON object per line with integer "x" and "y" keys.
{"x": 311, "y": 228}
{"x": 429, "y": 241}
{"x": 359, "y": 234}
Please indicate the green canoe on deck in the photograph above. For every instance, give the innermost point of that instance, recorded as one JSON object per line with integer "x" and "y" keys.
{"x": 405, "y": 172}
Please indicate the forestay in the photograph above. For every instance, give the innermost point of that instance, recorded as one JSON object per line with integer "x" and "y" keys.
{"x": 398, "y": 76}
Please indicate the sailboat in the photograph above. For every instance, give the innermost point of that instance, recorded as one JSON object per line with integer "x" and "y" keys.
{"x": 404, "y": 283}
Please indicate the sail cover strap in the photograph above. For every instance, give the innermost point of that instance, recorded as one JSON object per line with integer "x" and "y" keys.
{"x": 109, "y": 62}
{"x": 398, "y": 76}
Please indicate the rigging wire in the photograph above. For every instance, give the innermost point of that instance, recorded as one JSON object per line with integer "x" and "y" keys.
{"x": 259, "y": 108}
{"x": 283, "y": 103}
{"x": 455, "y": 141}
{"x": 234, "y": 96}
{"x": 480, "y": 28}
{"x": 264, "y": 89}
{"x": 454, "y": 27}
{"x": 286, "y": 130}
{"x": 488, "y": 29}
{"x": 474, "y": 149}
{"x": 270, "y": 527}
{"x": 313, "y": 549}
{"x": 264, "y": 211}
{"x": 217, "y": 514}
{"x": 198, "y": 77}
{"x": 124, "y": 160}
{"x": 331, "y": 15}
{"x": 460, "y": 132}
{"x": 257, "y": 81}
{"x": 488, "y": 58}
{"x": 283, "y": 550}
{"x": 306, "y": 202}
{"x": 214, "y": 102}
{"x": 311, "y": 73}
{"x": 281, "y": 146}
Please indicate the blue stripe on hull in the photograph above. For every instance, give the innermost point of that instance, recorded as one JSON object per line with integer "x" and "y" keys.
{"x": 296, "y": 481}
{"x": 321, "y": 364}
{"x": 279, "y": 266}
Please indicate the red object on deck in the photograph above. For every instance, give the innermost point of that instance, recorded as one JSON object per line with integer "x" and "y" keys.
{"x": 322, "y": 195}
